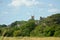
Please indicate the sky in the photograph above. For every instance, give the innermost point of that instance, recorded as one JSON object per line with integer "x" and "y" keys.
{"x": 17, "y": 10}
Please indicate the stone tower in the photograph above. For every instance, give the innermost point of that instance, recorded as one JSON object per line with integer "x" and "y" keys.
{"x": 32, "y": 17}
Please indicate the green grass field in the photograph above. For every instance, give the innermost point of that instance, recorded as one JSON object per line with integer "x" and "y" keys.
{"x": 30, "y": 38}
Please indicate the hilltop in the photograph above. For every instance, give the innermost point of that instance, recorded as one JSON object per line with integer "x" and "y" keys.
{"x": 45, "y": 27}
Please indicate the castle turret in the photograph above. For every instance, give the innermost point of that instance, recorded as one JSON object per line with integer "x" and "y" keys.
{"x": 41, "y": 18}
{"x": 32, "y": 17}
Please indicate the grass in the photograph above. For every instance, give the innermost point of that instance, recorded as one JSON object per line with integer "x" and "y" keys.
{"x": 31, "y": 38}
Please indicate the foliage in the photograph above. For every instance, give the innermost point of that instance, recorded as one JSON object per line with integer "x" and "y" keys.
{"x": 46, "y": 27}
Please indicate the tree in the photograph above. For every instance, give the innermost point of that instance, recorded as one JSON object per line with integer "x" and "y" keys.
{"x": 3, "y": 25}
{"x": 57, "y": 34}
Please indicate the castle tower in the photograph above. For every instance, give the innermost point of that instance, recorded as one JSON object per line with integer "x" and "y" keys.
{"x": 32, "y": 17}
{"x": 41, "y": 18}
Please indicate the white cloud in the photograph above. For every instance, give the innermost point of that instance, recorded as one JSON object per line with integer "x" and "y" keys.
{"x": 50, "y": 5}
{"x": 54, "y": 10}
{"x": 23, "y": 2}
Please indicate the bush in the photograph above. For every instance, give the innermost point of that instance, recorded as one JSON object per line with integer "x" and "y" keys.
{"x": 57, "y": 34}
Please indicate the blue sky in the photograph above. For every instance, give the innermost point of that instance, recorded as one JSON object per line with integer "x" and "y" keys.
{"x": 16, "y": 10}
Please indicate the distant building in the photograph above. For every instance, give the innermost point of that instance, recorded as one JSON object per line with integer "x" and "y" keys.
{"x": 32, "y": 17}
{"x": 37, "y": 21}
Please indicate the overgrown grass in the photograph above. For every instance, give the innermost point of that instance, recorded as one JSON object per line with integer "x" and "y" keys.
{"x": 31, "y": 38}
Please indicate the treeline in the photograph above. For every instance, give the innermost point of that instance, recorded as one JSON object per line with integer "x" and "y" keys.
{"x": 45, "y": 27}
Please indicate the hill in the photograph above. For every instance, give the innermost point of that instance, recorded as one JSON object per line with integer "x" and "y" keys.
{"x": 45, "y": 27}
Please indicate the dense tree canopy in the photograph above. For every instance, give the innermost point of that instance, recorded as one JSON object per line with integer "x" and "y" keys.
{"x": 44, "y": 27}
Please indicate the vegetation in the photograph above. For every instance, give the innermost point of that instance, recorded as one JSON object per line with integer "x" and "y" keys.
{"x": 45, "y": 27}
{"x": 31, "y": 38}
